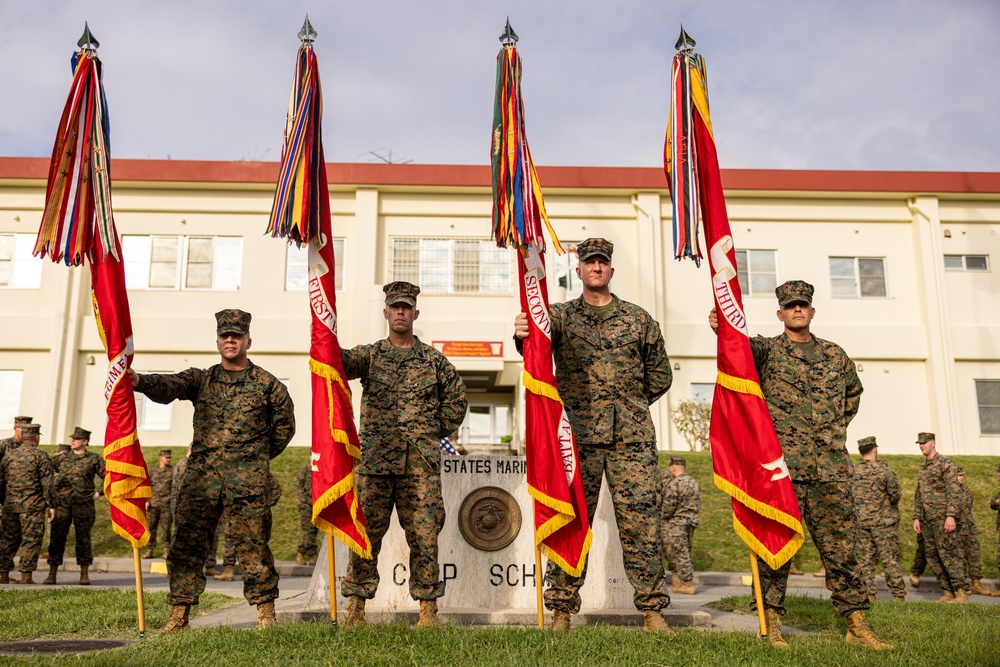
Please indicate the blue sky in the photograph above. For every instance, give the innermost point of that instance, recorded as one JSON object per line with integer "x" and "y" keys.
{"x": 882, "y": 85}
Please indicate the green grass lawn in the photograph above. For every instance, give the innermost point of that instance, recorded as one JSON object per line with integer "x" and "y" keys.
{"x": 924, "y": 634}
{"x": 715, "y": 548}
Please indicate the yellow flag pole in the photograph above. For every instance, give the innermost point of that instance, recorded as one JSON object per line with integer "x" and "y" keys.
{"x": 757, "y": 593}
{"x": 539, "y": 577}
{"x": 332, "y": 563}
{"x": 138, "y": 591}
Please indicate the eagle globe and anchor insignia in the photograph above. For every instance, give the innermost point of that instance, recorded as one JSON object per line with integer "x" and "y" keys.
{"x": 489, "y": 518}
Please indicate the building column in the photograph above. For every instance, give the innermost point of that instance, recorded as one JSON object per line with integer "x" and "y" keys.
{"x": 365, "y": 255}
{"x": 940, "y": 357}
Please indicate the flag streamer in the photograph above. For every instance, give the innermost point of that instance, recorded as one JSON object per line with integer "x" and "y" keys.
{"x": 746, "y": 453}
{"x": 562, "y": 528}
{"x": 301, "y": 214}
{"x": 78, "y": 222}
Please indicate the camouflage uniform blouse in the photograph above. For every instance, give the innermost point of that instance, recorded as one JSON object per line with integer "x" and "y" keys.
{"x": 609, "y": 370}
{"x": 74, "y": 482}
{"x": 876, "y": 494}
{"x": 303, "y": 486}
{"x": 681, "y": 500}
{"x": 937, "y": 490}
{"x": 162, "y": 481}
{"x": 26, "y": 480}
{"x": 239, "y": 424}
{"x": 811, "y": 403}
{"x": 995, "y": 506}
{"x": 409, "y": 400}
{"x": 965, "y": 519}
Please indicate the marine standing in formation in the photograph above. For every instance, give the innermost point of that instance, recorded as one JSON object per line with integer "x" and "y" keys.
{"x": 968, "y": 535}
{"x": 75, "y": 493}
{"x": 307, "y": 552}
{"x": 158, "y": 510}
{"x": 611, "y": 365}
{"x": 413, "y": 396}
{"x": 26, "y": 493}
{"x": 935, "y": 508}
{"x": 679, "y": 516}
{"x": 813, "y": 392}
{"x": 243, "y": 417}
{"x": 995, "y": 506}
{"x": 876, "y": 498}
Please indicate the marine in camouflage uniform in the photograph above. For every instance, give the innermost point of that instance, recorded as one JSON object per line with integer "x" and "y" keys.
{"x": 26, "y": 490}
{"x": 412, "y": 397}
{"x": 935, "y": 516}
{"x": 813, "y": 392}
{"x": 968, "y": 535}
{"x": 75, "y": 493}
{"x": 995, "y": 506}
{"x": 876, "y": 498}
{"x": 679, "y": 516}
{"x": 12, "y": 443}
{"x": 158, "y": 510}
{"x": 243, "y": 417}
{"x": 307, "y": 552}
{"x": 229, "y": 542}
{"x": 611, "y": 365}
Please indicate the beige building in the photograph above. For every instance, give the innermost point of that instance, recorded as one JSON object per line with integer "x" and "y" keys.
{"x": 901, "y": 263}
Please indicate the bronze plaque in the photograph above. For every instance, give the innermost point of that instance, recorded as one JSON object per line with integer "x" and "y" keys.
{"x": 489, "y": 518}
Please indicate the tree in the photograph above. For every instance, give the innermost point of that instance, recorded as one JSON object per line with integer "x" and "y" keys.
{"x": 692, "y": 419}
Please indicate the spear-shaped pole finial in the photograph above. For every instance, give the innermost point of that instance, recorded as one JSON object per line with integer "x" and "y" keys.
{"x": 685, "y": 42}
{"x": 87, "y": 41}
{"x": 307, "y": 34}
{"x": 508, "y": 37}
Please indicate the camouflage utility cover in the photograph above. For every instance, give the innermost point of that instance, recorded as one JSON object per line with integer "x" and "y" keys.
{"x": 239, "y": 424}
{"x": 409, "y": 400}
{"x": 811, "y": 403}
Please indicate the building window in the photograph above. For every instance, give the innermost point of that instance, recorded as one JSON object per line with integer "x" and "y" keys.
{"x": 566, "y": 278}
{"x": 966, "y": 263}
{"x": 988, "y": 399}
{"x": 452, "y": 266}
{"x": 152, "y": 416}
{"x": 757, "y": 272}
{"x": 183, "y": 262}
{"x": 486, "y": 424}
{"x": 702, "y": 392}
{"x": 18, "y": 269}
{"x": 10, "y": 397}
{"x": 857, "y": 277}
{"x": 297, "y": 267}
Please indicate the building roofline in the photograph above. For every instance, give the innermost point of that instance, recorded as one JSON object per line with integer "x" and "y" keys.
{"x": 478, "y": 176}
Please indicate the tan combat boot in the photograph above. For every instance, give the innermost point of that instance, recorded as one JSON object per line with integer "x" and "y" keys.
{"x": 265, "y": 615}
{"x": 961, "y": 596}
{"x": 977, "y": 588}
{"x": 684, "y": 588}
{"x": 820, "y": 572}
{"x": 312, "y": 560}
{"x": 794, "y": 570}
{"x": 4, "y": 577}
{"x": 428, "y": 614}
{"x": 946, "y": 596}
{"x": 900, "y": 597}
{"x": 84, "y": 575}
{"x": 560, "y": 621}
{"x": 166, "y": 552}
{"x": 226, "y": 574}
{"x": 148, "y": 553}
{"x": 773, "y": 623}
{"x": 26, "y": 578}
{"x": 858, "y": 632}
{"x": 178, "y": 619}
{"x": 300, "y": 559}
{"x": 653, "y": 621}
{"x": 51, "y": 579}
{"x": 674, "y": 579}
{"x": 355, "y": 612}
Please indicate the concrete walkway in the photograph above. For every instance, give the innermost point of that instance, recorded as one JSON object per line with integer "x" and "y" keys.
{"x": 684, "y": 610}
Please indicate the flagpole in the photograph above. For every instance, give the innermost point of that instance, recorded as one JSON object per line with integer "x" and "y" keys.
{"x": 755, "y": 571}
{"x": 138, "y": 591}
{"x": 538, "y": 587}
{"x": 332, "y": 564}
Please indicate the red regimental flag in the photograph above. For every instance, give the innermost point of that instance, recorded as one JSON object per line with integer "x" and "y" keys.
{"x": 746, "y": 454}
{"x": 301, "y": 213}
{"x": 562, "y": 529}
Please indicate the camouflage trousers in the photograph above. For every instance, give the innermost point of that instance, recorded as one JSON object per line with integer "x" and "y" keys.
{"x": 81, "y": 517}
{"x": 676, "y": 539}
{"x": 880, "y": 543}
{"x": 973, "y": 553}
{"x": 155, "y": 518}
{"x": 307, "y": 546}
{"x": 213, "y": 549}
{"x": 919, "y": 558}
{"x": 420, "y": 509}
{"x": 197, "y": 520}
{"x": 828, "y": 510}
{"x": 944, "y": 554}
{"x": 631, "y": 471}
{"x": 24, "y": 530}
